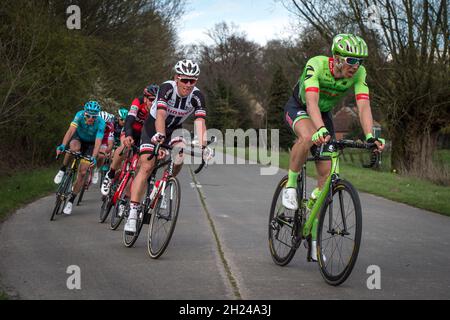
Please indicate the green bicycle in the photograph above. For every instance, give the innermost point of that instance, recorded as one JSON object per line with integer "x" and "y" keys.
{"x": 334, "y": 221}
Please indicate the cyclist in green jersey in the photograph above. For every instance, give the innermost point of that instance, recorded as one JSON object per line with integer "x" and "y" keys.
{"x": 323, "y": 83}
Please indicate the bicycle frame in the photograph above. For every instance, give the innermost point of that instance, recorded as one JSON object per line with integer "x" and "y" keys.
{"x": 128, "y": 169}
{"x": 310, "y": 227}
{"x": 162, "y": 187}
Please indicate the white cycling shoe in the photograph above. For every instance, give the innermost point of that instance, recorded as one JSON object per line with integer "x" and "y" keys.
{"x": 59, "y": 177}
{"x": 68, "y": 208}
{"x": 95, "y": 177}
{"x": 130, "y": 226}
{"x": 314, "y": 256}
{"x": 290, "y": 199}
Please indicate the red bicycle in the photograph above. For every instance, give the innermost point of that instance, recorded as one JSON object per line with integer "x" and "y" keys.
{"x": 117, "y": 196}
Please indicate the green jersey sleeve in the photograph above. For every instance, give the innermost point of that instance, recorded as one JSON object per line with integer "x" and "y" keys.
{"x": 311, "y": 75}
{"x": 361, "y": 87}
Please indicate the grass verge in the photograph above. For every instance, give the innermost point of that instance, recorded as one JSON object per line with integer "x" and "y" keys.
{"x": 412, "y": 191}
{"x": 23, "y": 187}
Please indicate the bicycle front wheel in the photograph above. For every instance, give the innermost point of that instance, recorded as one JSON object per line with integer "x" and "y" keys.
{"x": 282, "y": 237}
{"x": 163, "y": 219}
{"x": 118, "y": 214}
{"x": 62, "y": 194}
{"x": 339, "y": 233}
{"x": 106, "y": 208}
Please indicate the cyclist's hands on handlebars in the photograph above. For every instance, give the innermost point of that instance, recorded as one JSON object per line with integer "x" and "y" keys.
{"x": 128, "y": 142}
{"x": 93, "y": 161}
{"x": 158, "y": 138}
{"x": 321, "y": 136}
{"x": 60, "y": 149}
{"x": 380, "y": 142}
{"x": 207, "y": 153}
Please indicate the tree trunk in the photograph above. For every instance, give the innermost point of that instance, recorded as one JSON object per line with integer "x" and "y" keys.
{"x": 412, "y": 153}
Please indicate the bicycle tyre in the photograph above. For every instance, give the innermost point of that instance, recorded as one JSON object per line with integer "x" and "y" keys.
{"x": 156, "y": 252}
{"x": 61, "y": 194}
{"x": 273, "y": 231}
{"x": 130, "y": 239}
{"x": 324, "y": 260}
{"x": 105, "y": 208}
{"x": 115, "y": 219}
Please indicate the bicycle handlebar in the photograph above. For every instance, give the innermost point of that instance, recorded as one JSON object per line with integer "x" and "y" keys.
{"x": 342, "y": 144}
{"x": 191, "y": 152}
{"x": 77, "y": 155}
{"x": 133, "y": 148}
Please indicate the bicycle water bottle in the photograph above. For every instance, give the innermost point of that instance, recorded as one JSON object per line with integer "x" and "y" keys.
{"x": 312, "y": 199}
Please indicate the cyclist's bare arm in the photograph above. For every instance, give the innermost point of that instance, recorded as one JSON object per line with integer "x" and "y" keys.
{"x": 160, "y": 123}
{"x": 69, "y": 134}
{"x": 98, "y": 143}
{"x": 312, "y": 107}
{"x": 365, "y": 115}
{"x": 200, "y": 126}
{"x": 366, "y": 119}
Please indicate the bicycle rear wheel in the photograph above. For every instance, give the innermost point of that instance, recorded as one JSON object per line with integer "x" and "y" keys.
{"x": 339, "y": 233}
{"x": 282, "y": 237}
{"x": 164, "y": 218}
{"x": 61, "y": 195}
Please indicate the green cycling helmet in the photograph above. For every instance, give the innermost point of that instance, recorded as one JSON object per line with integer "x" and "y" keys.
{"x": 123, "y": 113}
{"x": 349, "y": 45}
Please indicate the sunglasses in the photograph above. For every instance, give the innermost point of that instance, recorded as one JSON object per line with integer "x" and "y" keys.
{"x": 90, "y": 116}
{"x": 353, "y": 61}
{"x": 188, "y": 81}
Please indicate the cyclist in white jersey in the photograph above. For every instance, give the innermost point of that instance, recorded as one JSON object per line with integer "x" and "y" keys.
{"x": 176, "y": 101}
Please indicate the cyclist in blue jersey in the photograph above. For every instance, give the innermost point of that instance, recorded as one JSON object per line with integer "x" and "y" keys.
{"x": 84, "y": 135}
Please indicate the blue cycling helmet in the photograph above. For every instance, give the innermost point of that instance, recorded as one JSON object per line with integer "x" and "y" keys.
{"x": 92, "y": 107}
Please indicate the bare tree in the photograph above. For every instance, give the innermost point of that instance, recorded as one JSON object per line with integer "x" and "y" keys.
{"x": 408, "y": 67}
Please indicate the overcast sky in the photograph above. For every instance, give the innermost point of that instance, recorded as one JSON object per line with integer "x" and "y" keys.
{"x": 261, "y": 20}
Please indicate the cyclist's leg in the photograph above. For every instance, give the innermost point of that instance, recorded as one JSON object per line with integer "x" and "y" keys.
{"x": 74, "y": 146}
{"x": 146, "y": 148}
{"x": 102, "y": 155}
{"x": 87, "y": 149}
{"x": 118, "y": 158}
{"x": 82, "y": 171}
{"x": 145, "y": 169}
{"x": 301, "y": 125}
{"x": 324, "y": 167}
{"x": 178, "y": 145}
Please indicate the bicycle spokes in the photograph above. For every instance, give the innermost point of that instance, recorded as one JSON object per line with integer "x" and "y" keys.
{"x": 339, "y": 235}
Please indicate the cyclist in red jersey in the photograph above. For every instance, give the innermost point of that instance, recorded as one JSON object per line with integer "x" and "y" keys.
{"x": 131, "y": 134}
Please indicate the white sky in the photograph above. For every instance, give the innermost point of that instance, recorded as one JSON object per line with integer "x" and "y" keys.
{"x": 261, "y": 20}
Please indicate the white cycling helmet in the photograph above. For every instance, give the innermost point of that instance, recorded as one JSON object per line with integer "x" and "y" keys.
{"x": 187, "y": 68}
{"x": 105, "y": 116}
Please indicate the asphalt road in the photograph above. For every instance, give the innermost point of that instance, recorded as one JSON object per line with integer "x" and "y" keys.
{"x": 219, "y": 249}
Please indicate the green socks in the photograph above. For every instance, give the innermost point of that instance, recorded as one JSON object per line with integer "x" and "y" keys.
{"x": 292, "y": 181}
